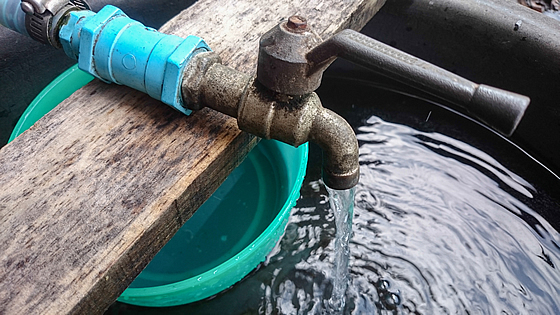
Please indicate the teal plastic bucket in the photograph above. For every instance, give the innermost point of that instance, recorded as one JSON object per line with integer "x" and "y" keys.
{"x": 228, "y": 236}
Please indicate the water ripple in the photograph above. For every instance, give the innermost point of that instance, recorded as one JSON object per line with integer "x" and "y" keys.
{"x": 439, "y": 221}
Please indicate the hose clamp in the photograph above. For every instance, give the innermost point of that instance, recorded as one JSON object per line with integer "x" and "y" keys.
{"x": 43, "y": 18}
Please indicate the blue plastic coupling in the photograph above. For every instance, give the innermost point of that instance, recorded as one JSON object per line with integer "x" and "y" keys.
{"x": 115, "y": 48}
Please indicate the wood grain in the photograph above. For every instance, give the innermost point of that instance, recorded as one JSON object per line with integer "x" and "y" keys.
{"x": 96, "y": 187}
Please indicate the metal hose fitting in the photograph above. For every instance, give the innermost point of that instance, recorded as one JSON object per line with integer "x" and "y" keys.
{"x": 44, "y": 18}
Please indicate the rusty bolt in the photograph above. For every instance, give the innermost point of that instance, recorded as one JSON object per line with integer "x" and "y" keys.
{"x": 296, "y": 23}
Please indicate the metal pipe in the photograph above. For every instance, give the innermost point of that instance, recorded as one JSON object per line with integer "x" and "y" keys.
{"x": 498, "y": 108}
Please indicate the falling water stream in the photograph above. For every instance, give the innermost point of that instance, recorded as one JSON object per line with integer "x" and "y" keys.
{"x": 342, "y": 205}
{"x": 448, "y": 218}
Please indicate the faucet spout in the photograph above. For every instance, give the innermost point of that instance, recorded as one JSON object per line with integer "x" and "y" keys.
{"x": 341, "y": 169}
{"x": 298, "y": 119}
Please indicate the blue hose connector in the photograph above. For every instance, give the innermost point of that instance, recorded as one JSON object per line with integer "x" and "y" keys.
{"x": 115, "y": 48}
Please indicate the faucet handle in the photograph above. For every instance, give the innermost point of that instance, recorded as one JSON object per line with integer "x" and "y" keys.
{"x": 500, "y": 109}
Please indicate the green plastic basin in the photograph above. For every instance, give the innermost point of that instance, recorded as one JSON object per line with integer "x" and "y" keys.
{"x": 228, "y": 236}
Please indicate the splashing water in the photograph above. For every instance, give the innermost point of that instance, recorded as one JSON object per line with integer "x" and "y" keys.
{"x": 342, "y": 204}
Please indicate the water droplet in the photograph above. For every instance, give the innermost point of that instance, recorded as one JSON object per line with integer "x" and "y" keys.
{"x": 383, "y": 285}
{"x": 391, "y": 300}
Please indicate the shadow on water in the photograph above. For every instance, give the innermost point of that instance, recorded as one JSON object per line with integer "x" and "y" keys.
{"x": 449, "y": 218}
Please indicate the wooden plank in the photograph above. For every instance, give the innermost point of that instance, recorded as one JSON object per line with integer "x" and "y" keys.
{"x": 94, "y": 189}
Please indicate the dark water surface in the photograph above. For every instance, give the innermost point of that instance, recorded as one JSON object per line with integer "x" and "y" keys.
{"x": 449, "y": 218}
{"x": 434, "y": 218}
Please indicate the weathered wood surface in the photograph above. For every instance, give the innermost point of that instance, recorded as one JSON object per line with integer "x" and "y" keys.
{"x": 94, "y": 189}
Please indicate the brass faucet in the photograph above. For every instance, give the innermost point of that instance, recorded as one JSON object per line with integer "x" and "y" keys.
{"x": 280, "y": 103}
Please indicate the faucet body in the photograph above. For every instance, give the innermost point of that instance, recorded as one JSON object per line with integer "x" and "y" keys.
{"x": 292, "y": 119}
{"x": 301, "y": 118}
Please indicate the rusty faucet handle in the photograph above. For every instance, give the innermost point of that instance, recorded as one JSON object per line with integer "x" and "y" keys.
{"x": 292, "y": 60}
